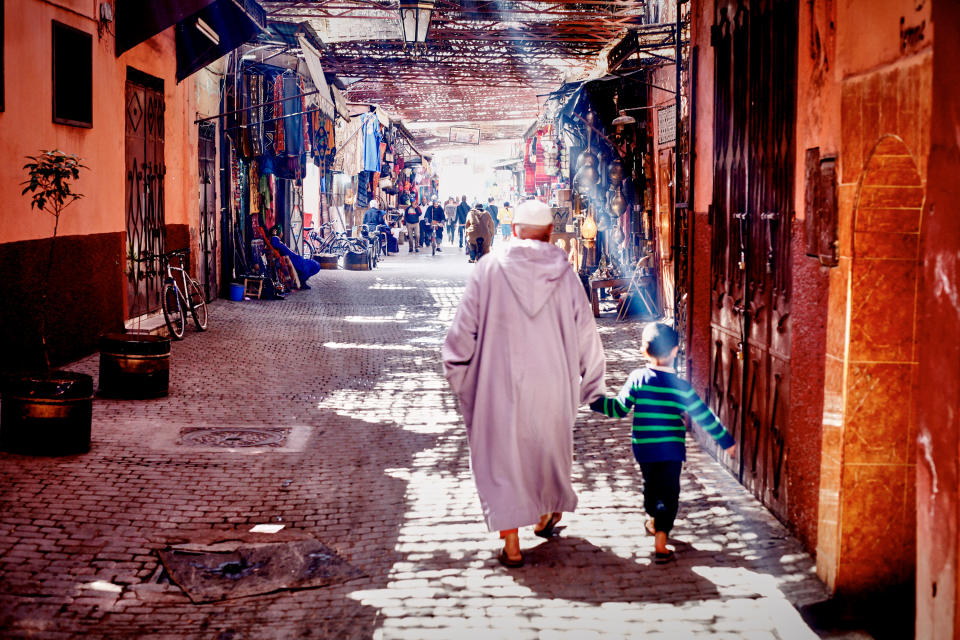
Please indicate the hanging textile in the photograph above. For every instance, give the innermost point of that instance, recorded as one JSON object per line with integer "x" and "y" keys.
{"x": 348, "y": 145}
{"x": 305, "y": 119}
{"x": 236, "y": 175}
{"x": 371, "y": 141}
{"x": 254, "y": 193}
{"x": 255, "y": 97}
{"x": 279, "y": 141}
{"x": 292, "y": 115}
{"x": 530, "y": 167}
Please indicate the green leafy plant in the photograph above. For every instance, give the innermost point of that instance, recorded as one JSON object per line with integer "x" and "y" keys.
{"x": 50, "y": 178}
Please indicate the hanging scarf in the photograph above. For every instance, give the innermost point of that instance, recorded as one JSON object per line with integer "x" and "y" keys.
{"x": 279, "y": 141}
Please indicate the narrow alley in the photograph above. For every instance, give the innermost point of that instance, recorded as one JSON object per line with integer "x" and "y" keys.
{"x": 367, "y": 454}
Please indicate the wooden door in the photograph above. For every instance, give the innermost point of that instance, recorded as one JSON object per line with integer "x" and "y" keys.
{"x": 754, "y": 113}
{"x": 144, "y": 192}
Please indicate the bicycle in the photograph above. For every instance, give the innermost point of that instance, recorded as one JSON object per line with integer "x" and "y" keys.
{"x": 174, "y": 301}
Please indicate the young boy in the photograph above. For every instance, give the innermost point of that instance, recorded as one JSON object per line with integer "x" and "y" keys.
{"x": 659, "y": 398}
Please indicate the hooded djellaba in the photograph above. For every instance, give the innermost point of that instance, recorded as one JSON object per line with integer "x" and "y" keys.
{"x": 522, "y": 355}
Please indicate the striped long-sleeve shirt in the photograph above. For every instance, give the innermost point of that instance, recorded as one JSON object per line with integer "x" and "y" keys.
{"x": 659, "y": 399}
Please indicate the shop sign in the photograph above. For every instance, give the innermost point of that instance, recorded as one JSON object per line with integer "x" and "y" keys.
{"x": 465, "y": 135}
{"x": 667, "y": 124}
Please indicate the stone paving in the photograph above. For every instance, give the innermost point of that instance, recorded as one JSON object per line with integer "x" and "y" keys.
{"x": 375, "y": 465}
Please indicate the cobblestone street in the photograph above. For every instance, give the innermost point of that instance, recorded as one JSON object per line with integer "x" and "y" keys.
{"x": 371, "y": 460}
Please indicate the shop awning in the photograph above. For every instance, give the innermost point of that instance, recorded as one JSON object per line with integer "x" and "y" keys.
{"x": 340, "y": 102}
{"x": 312, "y": 57}
{"x": 205, "y": 29}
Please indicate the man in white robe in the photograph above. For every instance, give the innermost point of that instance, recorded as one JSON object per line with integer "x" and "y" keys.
{"x": 522, "y": 355}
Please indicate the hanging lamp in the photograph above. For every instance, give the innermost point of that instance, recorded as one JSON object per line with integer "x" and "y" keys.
{"x": 415, "y": 21}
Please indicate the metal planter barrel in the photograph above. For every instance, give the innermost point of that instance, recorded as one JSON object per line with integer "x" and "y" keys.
{"x": 326, "y": 261}
{"x": 134, "y": 366}
{"x": 356, "y": 261}
{"x": 46, "y": 415}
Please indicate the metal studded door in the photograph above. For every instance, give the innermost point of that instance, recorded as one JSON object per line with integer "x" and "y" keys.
{"x": 145, "y": 170}
{"x": 207, "y": 251}
{"x": 751, "y": 215}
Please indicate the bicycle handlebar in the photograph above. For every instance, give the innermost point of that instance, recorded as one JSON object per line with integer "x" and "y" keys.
{"x": 149, "y": 256}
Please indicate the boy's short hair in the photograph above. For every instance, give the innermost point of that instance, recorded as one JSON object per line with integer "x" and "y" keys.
{"x": 659, "y": 339}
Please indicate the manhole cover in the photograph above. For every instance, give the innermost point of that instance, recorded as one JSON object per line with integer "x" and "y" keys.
{"x": 214, "y": 573}
{"x": 230, "y": 437}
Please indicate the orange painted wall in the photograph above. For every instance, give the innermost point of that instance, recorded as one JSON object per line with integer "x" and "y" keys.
{"x": 26, "y": 125}
{"x": 938, "y": 422}
{"x": 858, "y": 82}
{"x": 88, "y": 285}
{"x": 880, "y": 131}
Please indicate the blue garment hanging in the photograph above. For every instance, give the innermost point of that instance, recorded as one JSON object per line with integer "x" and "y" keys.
{"x": 370, "y": 126}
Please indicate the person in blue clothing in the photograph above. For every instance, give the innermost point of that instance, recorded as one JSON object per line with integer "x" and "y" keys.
{"x": 659, "y": 398}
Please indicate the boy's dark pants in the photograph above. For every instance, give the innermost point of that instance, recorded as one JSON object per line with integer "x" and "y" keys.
{"x": 661, "y": 492}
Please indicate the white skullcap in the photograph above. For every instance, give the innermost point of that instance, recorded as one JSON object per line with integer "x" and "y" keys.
{"x": 533, "y": 212}
{"x": 374, "y": 204}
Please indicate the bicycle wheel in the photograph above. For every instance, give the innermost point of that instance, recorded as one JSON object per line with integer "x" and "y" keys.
{"x": 433, "y": 245}
{"x": 307, "y": 251}
{"x": 198, "y": 305}
{"x": 173, "y": 311}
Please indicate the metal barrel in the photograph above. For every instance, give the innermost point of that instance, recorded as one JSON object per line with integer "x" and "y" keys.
{"x": 356, "y": 261}
{"x": 134, "y": 366}
{"x": 46, "y": 415}
{"x": 326, "y": 261}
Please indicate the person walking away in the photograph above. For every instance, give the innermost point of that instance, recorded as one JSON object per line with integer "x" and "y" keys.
{"x": 494, "y": 214}
{"x": 521, "y": 356}
{"x": 462, "y": 210}
{"x": 450, "y": 214}
{"x": 411, "y": 218}
{"x": 435, "y": 218}
{"x": 479, "y": 226}
{"x": 424, "y": 229}
{"x": 659, "y": 398}
{"x": 506, "y": 220}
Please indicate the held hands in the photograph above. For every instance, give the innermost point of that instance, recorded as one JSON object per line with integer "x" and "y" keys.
{"x": 731, "y": 450}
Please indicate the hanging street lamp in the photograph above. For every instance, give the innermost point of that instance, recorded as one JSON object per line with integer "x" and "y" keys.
{"x": 415, "y": 22}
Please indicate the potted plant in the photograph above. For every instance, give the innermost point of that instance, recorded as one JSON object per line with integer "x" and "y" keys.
{"x": 48, "y": 412}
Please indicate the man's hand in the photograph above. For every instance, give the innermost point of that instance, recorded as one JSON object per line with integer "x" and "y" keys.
{"x": 731, "y": 450}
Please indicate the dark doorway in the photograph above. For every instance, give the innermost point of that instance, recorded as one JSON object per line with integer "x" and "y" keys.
{"x": 754, "y": 113}
{"x": 207, "y": 253}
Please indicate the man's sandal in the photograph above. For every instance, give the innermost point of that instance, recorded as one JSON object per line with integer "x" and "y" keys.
{"x": 649, "y": 526}
{"x": 664, "y": 558}
{"x": 547, "y": 530}
{"x": 509, "y": 562}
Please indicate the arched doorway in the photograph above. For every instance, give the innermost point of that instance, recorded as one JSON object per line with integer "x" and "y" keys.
{"x": 875, "y": 534}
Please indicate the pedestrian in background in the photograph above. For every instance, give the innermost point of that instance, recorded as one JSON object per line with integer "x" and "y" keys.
{"x": 659, "y": 398}
{"x": 506, "y": 220}
{"x": 435, "y": 217}
{"x": 522, "y": 355}
{"x": 462, "y": 210}
{"x": 450, "y": 215}
{"x": 480, "y": 232}
{"x": 411, "y": 218}
{"x": 494, "y": 213}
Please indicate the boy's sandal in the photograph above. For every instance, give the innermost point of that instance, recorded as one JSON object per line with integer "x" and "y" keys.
{"x": 508, "y": 562}
{"x": 664, "y": 558}
{"x": 547, "y": 530}
{"x": 649, "y": 527}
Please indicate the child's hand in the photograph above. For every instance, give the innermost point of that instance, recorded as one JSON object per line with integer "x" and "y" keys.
{"x": 731, "y": 450}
